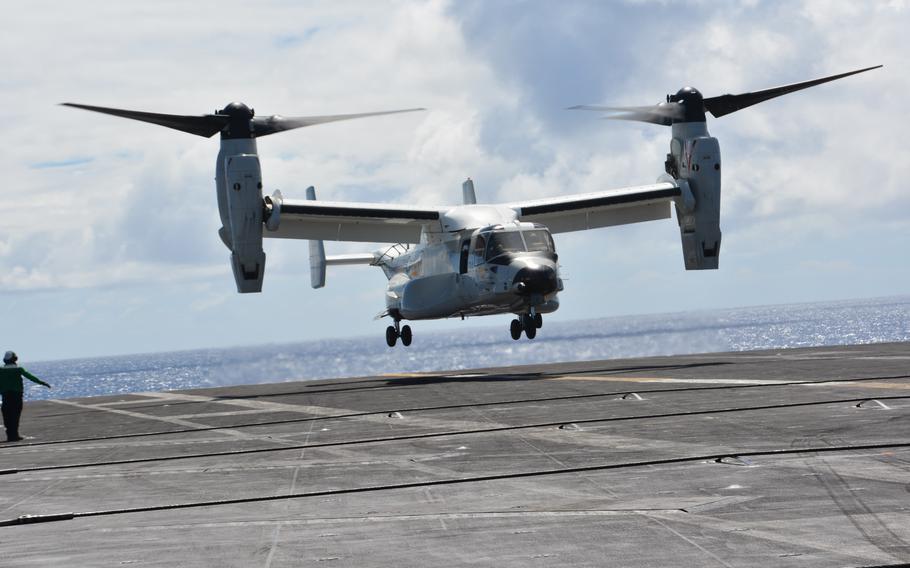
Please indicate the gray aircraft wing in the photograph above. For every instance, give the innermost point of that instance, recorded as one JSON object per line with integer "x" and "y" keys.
{"x": 345, "y": 221}
{"x": 600, "y": 209}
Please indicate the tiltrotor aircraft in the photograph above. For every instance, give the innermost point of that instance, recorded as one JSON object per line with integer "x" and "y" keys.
{"x": 471, "y": 259}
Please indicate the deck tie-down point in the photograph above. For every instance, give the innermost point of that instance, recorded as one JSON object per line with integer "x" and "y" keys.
{"x": 733, "y": 460}
{"x": 872, "y": 403}
{"x": 631, "y": 396}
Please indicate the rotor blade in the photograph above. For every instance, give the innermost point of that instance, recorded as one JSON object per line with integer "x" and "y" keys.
{"x": 593, "y": 107}
{"x": 205, "y": 126}
{"x": 263, "y": 126}
{"x": 649, "y": 117}
{"x": 725, "y": 104}
{"x": 662, "y": 113}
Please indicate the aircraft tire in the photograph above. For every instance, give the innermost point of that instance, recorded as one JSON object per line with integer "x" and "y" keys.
{"x": 391, "y": 336}
{"x": 538, "y": 321}
{"x": 527, "y": 322}
{"x": 406, "y": 335}
{"x": 515, "y": 329}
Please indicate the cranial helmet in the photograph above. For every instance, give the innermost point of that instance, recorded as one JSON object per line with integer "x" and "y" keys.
{"x": 9, "y": 357}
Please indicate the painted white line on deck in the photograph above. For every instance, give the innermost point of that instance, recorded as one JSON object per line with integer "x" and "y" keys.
{"x": 371, "y": 519}
{"x": 829, "y": 384}
{"x": 378, "y": 417}
{"x": 624, "y": 379}
{"x": 168, "y": 419}
{"x": 260, "y": 405}
{"x": 437, "y": 423}
{"x": 864, "y": 384}
{"x": 781, "y": 533}
{"x": 226, "y": 413}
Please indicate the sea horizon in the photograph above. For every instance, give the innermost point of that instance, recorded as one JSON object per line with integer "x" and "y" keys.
{"x": 780, "y": 326}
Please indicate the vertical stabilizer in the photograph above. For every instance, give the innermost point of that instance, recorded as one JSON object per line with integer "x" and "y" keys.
{"x": 467, "y": 192}
{"x": 317, "y": 252}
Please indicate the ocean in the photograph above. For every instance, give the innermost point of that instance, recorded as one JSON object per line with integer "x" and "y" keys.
{"x": 762, "y": 327}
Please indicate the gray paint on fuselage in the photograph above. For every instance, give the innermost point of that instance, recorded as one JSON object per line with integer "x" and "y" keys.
{"x": 425, "y": 281}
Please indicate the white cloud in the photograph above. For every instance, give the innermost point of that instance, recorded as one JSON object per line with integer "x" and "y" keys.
{"x": 93, "y": 202}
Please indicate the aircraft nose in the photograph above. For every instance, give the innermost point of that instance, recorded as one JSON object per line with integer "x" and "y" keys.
{"x": 535, "y": 280}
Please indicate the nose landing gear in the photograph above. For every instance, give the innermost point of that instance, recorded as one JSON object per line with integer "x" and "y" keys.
{"x": 528, "y": 323}
{"x": 392, "y": 333}
{"x": 530, "y": 327}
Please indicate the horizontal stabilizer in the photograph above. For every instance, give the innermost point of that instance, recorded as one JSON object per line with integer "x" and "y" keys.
{"x": 349, "y": 259}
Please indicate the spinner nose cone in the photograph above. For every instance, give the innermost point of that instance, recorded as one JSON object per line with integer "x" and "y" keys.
{"x": 240, "y": 121}
{"x": 237, "y": 110}
{"x": 540, "y": 279}
{"x": 687, "y": 94}
{"x": 693, "y": 104}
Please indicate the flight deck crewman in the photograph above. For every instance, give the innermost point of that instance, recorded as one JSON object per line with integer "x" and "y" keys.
{"x": 11, "y": 387}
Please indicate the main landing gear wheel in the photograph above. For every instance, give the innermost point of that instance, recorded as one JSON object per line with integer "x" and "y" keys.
{"x": 393, "y": 332}
{"x": 527, "y": 322}
{"x": 538, "y": 321}
{"x": 515, "y": 329}
{"x": 406, "y": 335}
{"x": 391, "y": 336}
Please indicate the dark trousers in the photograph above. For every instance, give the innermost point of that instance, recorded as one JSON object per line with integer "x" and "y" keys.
{"x": 12, "y": 410}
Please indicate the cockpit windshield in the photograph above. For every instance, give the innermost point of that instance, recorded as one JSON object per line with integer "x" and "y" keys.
{"x": 504, "y": 242}
{"x": 535, "y": 240}
{"x": 538, "y": 240}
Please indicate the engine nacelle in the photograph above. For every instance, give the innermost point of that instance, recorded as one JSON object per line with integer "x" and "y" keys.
{"x": 243, "y": 185}
{"x": 695, "y": 161}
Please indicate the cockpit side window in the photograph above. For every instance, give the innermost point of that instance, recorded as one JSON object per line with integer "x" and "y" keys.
{"x": 539, "y": 240}
{"x": 480, "y": 244}
{"x": 501, "y": 243}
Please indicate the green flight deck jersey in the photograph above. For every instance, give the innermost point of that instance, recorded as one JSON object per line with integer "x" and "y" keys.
{"x": 11, "y": 378}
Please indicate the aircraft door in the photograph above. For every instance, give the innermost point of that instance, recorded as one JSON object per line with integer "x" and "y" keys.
{"x": 463, "y": 262}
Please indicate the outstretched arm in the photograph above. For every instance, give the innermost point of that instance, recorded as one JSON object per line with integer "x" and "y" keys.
{"x": 33, "y": 378}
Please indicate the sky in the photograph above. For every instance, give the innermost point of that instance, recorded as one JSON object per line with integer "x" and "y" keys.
{"x": 108, "y": 242}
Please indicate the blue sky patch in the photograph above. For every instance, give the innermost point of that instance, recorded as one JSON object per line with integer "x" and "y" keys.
{"x": 292, "y": 40}
{"x": 60, "y": 163}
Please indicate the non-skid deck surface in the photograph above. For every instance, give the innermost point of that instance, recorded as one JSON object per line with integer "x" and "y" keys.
{"x": 775, "y": 458}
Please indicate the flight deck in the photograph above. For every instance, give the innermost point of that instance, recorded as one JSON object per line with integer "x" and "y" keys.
{"x": 797, "y": 457}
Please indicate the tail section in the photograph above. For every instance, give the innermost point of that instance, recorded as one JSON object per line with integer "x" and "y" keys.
{"x": 318, "y": 259}
{"x": 467, "y": 192}
{"x": 317, "y": 252}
